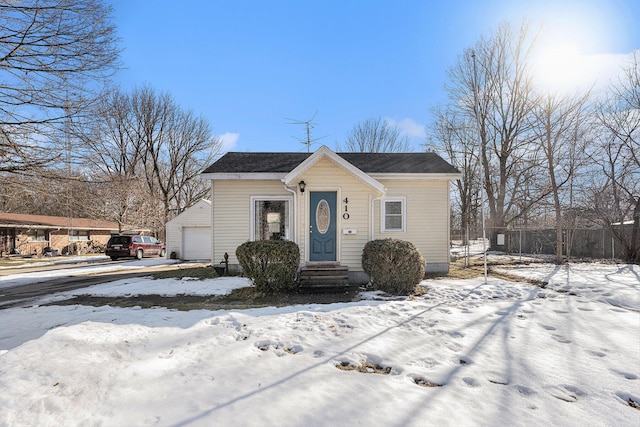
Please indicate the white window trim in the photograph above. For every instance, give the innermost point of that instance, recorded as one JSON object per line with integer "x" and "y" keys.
{"x": 383, "y": 205}
{"x": 252, "y": 214}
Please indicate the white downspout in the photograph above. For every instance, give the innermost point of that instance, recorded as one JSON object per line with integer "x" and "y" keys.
{"x": 213, "y": 238}
{"x": 373, "y": 217}
{"x": 293, "y": 190}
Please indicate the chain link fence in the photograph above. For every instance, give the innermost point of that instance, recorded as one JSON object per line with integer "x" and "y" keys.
{"x": 577, "y": 243}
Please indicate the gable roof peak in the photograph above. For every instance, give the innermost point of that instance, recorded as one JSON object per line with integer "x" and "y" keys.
{"x": 326, "y": 152}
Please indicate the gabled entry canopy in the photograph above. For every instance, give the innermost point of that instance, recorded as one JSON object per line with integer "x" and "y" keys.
{"x": 324, "y": 152}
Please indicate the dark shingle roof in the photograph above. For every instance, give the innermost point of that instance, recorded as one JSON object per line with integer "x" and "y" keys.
{"x": 367, "y": 162}
{"x": 257, "y": 162}
{"x": 399, "y": 162}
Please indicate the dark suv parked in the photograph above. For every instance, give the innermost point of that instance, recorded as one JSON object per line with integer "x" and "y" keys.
{"x": 134, "y": 245}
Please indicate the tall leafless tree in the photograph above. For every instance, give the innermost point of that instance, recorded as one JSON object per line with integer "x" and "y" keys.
{"x": 113, "y": 153}
{"x": 491, "y": 85}
{"x": 55, "y": 56}
{"x": 376, "y": 135}
{"x": 150, "y": 152}
{"x": 615, "y": 190}
{"x": 177, "y": 146}
{"x": 455, "y": 138}
{"x": 539, "y": 152}
{"x": 557, "y": 125}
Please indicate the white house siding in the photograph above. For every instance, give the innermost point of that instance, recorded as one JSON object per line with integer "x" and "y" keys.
{"x": 231, "y": 210}
{"x": 427, "y": 219}
{"x": 326, "y": 175}
{"x": 198, "y": 215}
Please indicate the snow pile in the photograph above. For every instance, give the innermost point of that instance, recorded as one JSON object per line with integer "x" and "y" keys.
{"x": 465, "y": 353}
{"x": 162, "y": 287}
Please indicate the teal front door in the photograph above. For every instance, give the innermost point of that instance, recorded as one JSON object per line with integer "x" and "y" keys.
{"x": 322, "y": 226}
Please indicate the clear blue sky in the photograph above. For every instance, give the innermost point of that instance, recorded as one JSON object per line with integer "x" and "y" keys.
{"x": 251, "y": 66}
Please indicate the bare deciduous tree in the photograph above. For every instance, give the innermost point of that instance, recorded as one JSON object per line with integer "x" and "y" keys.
{"x": 491, "y": 84}
{"x": 456, "y": 139}
{"x": 556, "y": 126}
{"x": 113, "y": 151}
{"x": 615, "y": 190}
{"x": 54, "y": 55}
{"x": 376, "y": 135}
{"x": 151, "y": 153}
{"x": 177, "y": 146}
{"x": 542, "y": 152}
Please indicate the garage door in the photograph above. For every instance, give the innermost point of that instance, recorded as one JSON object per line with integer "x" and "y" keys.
{"x": 196, "y": 243}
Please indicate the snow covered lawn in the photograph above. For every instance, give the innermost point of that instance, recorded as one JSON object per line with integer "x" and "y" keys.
{"x": 501, "y": 353}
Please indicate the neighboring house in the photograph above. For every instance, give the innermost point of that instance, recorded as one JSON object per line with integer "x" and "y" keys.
{"x": 30, "y": 234}
{"x": 189, "y": 234}
{"x": 332, "y": 204}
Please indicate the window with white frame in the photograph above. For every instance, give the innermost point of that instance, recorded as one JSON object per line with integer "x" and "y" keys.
{"x": 393, "y": 214}
{"x": 271, "y": 219}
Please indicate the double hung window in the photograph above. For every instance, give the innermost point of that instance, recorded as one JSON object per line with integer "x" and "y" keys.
{"x": 393, "y": 214}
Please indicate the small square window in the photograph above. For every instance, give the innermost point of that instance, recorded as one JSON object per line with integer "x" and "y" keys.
{"x": 392, "y": 215}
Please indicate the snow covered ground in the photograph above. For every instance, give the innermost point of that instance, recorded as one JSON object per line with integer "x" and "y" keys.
{"x": 501, "y": 353}
{"x": 74, "y": 266}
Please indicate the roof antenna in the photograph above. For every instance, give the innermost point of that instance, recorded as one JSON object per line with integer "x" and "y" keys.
{"x": 309, "y": 124}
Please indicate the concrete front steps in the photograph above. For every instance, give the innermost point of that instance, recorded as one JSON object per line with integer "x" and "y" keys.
{"x": 324, "y": 276}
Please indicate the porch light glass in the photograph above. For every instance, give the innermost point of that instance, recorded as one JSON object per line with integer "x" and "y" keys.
{"x": 302, "y": 185}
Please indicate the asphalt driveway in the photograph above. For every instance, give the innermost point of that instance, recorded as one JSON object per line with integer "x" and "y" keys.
{"x": 20, "y": 286}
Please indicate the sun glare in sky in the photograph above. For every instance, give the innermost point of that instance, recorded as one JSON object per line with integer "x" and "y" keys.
{"x": 575, "y": 47}
{"x": 563, "y": 67}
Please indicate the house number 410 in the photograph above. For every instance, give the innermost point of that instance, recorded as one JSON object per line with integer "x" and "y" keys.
{"x": 345, "y": 215}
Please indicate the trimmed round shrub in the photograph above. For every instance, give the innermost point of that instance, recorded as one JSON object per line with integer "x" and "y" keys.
{"x": 393, "y": 266}
{"x": 272, "y": 265}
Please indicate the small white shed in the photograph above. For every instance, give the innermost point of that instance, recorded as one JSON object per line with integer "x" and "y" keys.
{"x": 189, "y": 234}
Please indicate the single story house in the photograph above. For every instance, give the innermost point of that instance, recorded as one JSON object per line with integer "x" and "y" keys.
{"x": 31, "y": 234}
{"x": 189, "y": 233}
{"x": 331, "y": 204}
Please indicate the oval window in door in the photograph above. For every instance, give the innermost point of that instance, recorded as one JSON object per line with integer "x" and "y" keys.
{"x": 322, "y": 216}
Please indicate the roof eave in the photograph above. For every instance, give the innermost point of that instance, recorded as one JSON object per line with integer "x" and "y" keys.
{"x": 417, "y": 176}
{"x": 244, "y": 176}
{"x": 58, "y": 227}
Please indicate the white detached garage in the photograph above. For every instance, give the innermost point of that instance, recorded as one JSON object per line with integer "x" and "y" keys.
{"x": 189, "y": 234}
